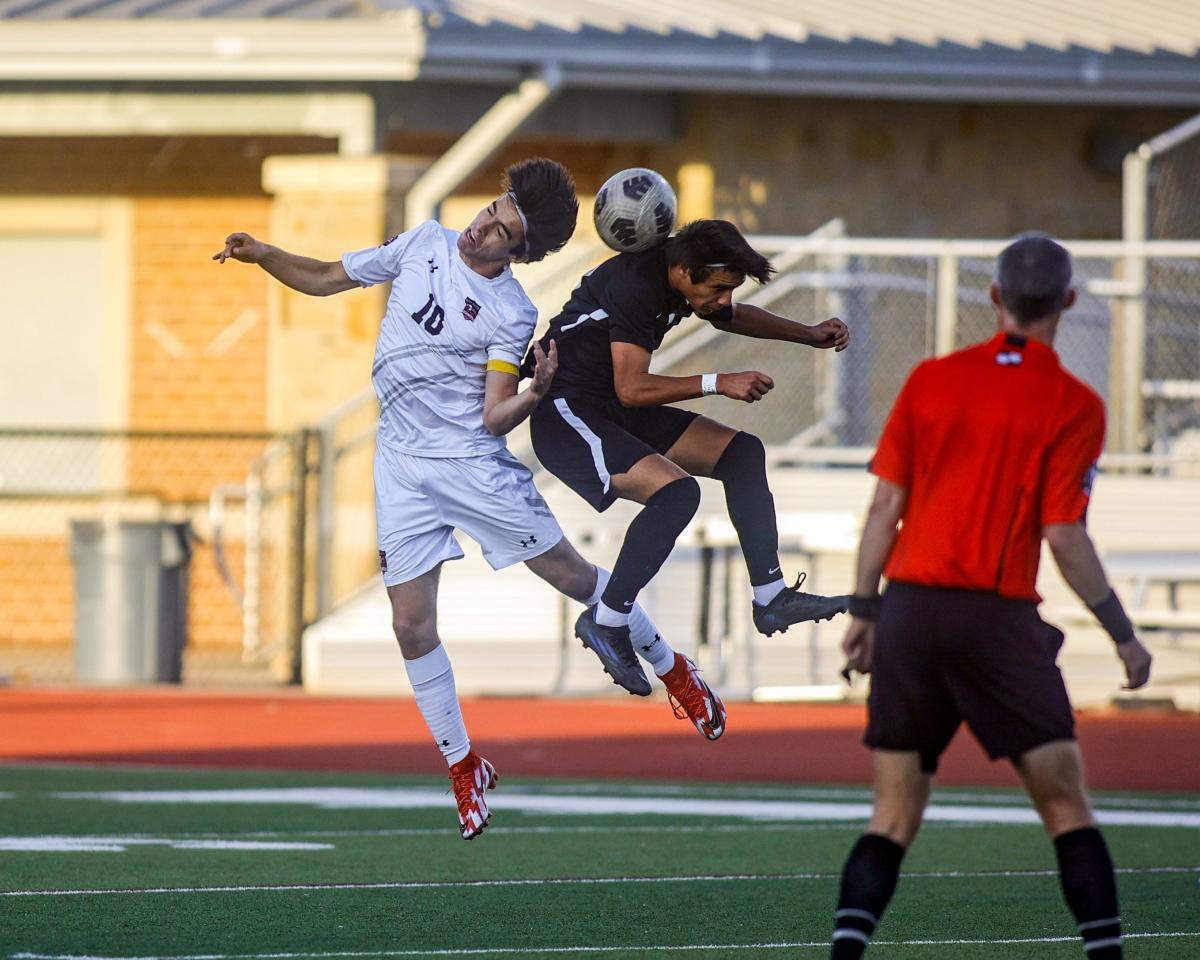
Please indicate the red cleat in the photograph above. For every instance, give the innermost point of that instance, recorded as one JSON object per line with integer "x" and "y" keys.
{"x": 470, "y": 778}
{"x": 693, "y": 699}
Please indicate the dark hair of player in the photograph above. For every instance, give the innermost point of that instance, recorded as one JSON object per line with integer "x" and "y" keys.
{"x": 1034, "y": 277}
{"x": 707, "y": 245}
{"x": 545, "y": 192}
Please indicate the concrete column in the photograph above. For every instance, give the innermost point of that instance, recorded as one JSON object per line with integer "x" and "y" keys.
{"x": 323, "y": 206}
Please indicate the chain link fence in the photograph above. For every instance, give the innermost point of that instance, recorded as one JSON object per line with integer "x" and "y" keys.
{"x": 75, "y": 508}
{"x": 1162, "y": 203}
{"x": 907, "y": 300}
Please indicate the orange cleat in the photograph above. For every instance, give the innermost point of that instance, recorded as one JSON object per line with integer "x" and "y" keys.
{"x": 693, "y": 699}
{"x": 470, "y": 778}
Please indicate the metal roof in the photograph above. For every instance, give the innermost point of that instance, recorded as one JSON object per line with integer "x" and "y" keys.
{"x": 1135, "y": 52}
{"x": 1099, "y": 25}
{"x": 1142, "y": 26}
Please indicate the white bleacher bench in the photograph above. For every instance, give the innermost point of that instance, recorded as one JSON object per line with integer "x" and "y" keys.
{"x": 809, "y": 532}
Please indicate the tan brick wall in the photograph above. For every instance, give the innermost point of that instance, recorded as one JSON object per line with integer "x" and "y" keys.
{"x": 199, "y": 330}
{"x": 36, "y": 592}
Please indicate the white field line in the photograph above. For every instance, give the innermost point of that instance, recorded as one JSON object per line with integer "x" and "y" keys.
{"x": 533, "y": 951}
{"x": 287, "y": 838}
{"x": 570, "y": 804}
{"x": 602, "y": 787}
{"x": 58, "y": 843}
{"x": 553, "y": 882}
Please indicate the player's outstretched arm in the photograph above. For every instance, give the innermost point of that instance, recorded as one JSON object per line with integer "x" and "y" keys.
{"x": 636, "y": 386}
{"x": 318, "y": 278}
{"x": 751, "y": 321}
{"x": 503, "y": 406}
{"x": 1080, "y": 566}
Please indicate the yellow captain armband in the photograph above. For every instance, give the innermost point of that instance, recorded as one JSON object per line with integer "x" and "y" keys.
{"x": 503, "y": 366}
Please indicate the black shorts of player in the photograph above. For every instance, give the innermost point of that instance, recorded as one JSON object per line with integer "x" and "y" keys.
{"x": 585, "y": 442}
{"x": 942, "y": 657}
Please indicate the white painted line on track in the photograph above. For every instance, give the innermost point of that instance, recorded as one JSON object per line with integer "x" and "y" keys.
{"x": 566, "y": 804}
{"x": 533, "y": 951}
{"x": 551, "y": 882}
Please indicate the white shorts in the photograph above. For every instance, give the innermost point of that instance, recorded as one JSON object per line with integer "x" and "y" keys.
{"x": 420, "y": 500}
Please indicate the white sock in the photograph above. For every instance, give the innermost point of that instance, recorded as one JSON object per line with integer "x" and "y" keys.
{"x": 769, "y": 591}
{"x": 606, "y": 616}
{"x": 432, "y": 680}
{"x": 647, "y": 641}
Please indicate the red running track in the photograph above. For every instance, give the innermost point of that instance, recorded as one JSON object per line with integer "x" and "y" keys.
{"x": 612, "y": 738}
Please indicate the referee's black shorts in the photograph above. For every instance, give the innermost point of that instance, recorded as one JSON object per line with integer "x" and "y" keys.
{"x": 942, "y": 657}
{"x": 584, "y": 442}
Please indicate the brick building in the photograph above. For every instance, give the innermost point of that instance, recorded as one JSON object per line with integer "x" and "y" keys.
{"x": 134, "y": 136}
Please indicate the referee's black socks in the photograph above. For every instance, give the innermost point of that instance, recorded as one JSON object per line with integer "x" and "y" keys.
{"x": 742, "y": 469}
{"x": 868, "y": 882}
{"x": 1090, "y": 889}
{"x": 649, "y": 541}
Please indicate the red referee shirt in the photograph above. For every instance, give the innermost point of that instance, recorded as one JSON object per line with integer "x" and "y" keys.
{"x": 993, "y": 443}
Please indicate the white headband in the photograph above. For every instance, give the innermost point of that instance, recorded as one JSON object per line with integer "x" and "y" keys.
{"x": 524, "y": 223}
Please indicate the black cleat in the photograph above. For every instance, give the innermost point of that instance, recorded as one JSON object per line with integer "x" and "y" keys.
{"x": 792, "y": 606}
{"x": 615, "y": 650}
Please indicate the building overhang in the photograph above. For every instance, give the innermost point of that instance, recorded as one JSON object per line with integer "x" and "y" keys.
{"x": 388, "y": 47}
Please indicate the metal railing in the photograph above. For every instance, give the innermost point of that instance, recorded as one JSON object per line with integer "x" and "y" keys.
{"x": 1137, "y": 343}
{"x": 1133, "y": 335}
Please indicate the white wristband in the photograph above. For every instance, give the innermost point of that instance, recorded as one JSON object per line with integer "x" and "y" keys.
{"x": 708, "y": 384}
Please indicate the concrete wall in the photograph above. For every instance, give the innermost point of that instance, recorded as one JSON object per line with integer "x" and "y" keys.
{"x": 889, "y": 168}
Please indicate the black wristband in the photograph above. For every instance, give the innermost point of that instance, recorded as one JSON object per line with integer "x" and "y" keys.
{"x": 865, "y": 608}
{"x": 1113, "y": 618}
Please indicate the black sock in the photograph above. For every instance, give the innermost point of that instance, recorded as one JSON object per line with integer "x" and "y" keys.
{"x": 868, "y": 882}
{"x": 743, "y": 471}
{"x": 1090, "y": 889}
{"x": 649, "y": 541}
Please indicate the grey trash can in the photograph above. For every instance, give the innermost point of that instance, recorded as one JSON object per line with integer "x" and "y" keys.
{"x": 131, "y": 594}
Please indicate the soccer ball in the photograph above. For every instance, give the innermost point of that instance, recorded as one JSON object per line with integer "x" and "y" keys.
{"x": 635, "y": 210}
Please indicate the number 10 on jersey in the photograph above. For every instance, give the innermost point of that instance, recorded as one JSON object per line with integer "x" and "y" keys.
{"x": 432, "y": 315}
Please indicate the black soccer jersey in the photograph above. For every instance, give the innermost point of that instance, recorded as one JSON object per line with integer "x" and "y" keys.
{"x": 627, "y": 299}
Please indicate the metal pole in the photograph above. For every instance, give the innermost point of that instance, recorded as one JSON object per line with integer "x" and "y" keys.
{"x": 299, "y": 547}
{"x": 1132, "y": 356}
{"x": 252, "y": 568}
{"x": 326, "y": 481}
{"x": 945, "y": 322}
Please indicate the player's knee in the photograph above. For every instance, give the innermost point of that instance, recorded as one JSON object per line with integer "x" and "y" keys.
{"x": 683, "y": 494}
{"x": 415, "y": 635}
{"x": 900, "y": 827}
{"x": 744, "y": 457}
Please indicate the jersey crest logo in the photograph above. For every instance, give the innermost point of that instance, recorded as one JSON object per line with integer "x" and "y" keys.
{"x": 471, "y": 310}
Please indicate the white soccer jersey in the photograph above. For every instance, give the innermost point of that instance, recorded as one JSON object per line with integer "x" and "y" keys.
{"x": 444, "y": 322}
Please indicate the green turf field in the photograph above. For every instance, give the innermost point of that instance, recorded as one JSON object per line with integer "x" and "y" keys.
{"x": 101, "y": 862}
